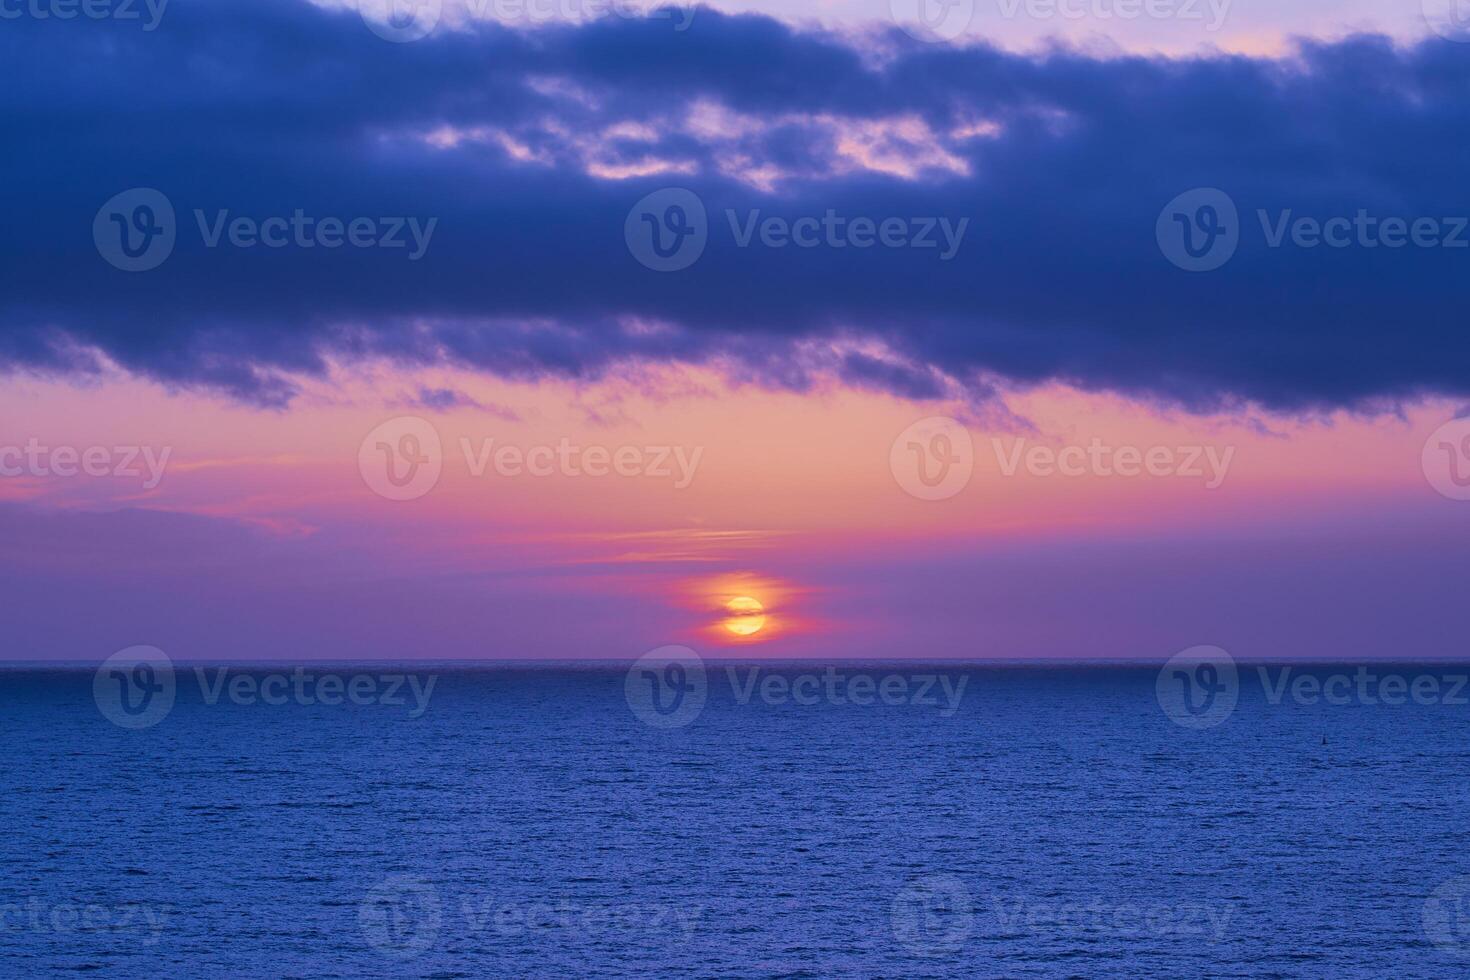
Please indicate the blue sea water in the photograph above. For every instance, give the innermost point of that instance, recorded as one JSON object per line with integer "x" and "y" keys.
{"x": 529, "y": 822}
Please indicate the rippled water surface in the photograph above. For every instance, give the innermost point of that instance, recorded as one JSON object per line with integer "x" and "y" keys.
{"x": 1055, "y": 823}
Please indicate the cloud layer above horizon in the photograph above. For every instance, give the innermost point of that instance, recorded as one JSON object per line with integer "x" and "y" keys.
{"x": 528, "y": 147}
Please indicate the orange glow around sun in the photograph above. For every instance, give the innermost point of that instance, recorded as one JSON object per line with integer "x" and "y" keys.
{"x": 744, "y": 607}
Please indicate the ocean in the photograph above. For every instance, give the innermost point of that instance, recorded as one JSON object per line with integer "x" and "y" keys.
{"x": 786, "y": 820}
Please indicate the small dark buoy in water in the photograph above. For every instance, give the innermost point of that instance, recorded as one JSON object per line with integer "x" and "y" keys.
{"x": 1324, "y": 739}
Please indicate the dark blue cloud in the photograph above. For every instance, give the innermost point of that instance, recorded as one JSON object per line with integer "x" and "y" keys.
{"x": 1060, "y": 162}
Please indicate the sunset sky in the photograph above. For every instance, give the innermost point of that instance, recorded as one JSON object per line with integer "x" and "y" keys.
{"x": 771, "y": 383}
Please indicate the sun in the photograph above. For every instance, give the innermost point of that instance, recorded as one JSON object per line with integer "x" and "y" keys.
{"x": 743, "y": 608}
{"x": 747, "y": 616}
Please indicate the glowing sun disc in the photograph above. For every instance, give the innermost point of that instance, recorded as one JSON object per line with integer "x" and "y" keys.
{"x": 747, "y": 616}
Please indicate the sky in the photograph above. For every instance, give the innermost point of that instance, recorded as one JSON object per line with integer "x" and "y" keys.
{"x": 776, "y": 330}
